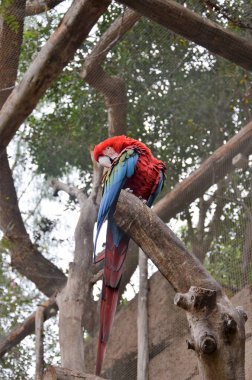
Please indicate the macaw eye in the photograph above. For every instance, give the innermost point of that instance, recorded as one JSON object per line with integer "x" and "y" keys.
{"x": 108, "y": 147}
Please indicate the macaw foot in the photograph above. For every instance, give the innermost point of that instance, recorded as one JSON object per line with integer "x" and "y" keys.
{"x": 129, "y": 190}
{"x": 143, "y": 200}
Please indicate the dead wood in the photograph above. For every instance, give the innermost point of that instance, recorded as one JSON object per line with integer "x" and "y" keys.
{"x": 192, "y": 26}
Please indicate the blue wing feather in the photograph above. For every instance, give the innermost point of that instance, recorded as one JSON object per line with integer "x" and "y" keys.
{"x": 154, "y": 195}
{"x": 114, "y": 182}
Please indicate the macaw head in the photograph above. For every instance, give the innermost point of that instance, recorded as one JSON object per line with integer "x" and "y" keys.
{"x": 108, "y": 150}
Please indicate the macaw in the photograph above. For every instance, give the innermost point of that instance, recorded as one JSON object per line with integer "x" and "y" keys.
{"x": 130, "y": 165}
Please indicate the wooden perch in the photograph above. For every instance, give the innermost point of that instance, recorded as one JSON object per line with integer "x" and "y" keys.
{"x": 194, "y": 27}
{"x": 217, "y": 327}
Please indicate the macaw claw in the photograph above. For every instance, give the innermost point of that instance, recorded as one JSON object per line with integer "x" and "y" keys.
{"x": 129, "y": 190}
{"x": 143, "y": 200}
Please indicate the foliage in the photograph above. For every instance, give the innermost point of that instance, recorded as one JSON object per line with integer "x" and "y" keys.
{"x": 16, "y": 303}
{"x": 8, "y": 17}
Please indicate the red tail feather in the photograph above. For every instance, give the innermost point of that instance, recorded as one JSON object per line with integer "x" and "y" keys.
{"x": 114, "y": 259}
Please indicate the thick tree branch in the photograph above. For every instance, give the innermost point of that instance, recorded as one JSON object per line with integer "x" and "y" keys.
{"x": 75, "y": 300}
{"x": 59, "y": 373}
{"x": 72, "y": 191}
{"x": 209, "y": 173}
{"x": 217, "y": 328}
{"x": 112, "y": 88}
{"x": 39, "y": 6}
{"x": 192, "y": 26}
{"x": 24, "y": 255}
{"x": 48, "y": 64}
{"x": 156, "y": 240}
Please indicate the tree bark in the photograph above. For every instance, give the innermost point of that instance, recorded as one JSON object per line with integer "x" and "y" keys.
{"x": 209, "y": 173}
{"x": 59, "y": 373}
{"x": 142, "y": 320}
{"x": 192, "y": 26}
{"x": 25, "y": 256}
{"x": 48, "y": 64}
{"x": 40, "y": 6}
{"x": 217, "y": 328}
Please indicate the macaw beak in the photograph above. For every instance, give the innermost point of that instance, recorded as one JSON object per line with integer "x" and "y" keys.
{"x": 105, "y": 161}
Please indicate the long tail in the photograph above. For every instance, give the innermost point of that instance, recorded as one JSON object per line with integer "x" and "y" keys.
{"x": 114, "y": 259}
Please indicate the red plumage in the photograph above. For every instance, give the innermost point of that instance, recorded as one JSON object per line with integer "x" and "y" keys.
{"x": 146, "y": 182}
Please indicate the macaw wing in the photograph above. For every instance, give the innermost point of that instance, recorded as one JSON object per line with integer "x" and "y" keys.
{"x": 113, "y": 183}
{"x": 158, "y": 189}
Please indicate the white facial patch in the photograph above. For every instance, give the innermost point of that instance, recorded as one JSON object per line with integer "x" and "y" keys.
{"x": 105, "y": 161}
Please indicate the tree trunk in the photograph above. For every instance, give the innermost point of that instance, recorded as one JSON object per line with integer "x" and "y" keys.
{"x": 217, "y": 327}
{"x": 75, "y": 299}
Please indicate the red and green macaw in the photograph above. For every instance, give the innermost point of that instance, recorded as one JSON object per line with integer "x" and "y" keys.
{"x": 130, "y": 165}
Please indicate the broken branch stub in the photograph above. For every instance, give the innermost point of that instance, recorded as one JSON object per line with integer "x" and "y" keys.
{"x": 217, "y": 333}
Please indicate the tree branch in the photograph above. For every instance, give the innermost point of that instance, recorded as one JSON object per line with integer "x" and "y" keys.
{"x": 39, "y": 6}
{"x": 112, "y": 88}
{"x": 72, "y": 191}
{"x": 156, "y": 239}
{"x": 15, "y": 336}
{"x": 209, "y": 173}
{"x": 25, "y": 256}
{"x": 59, "y": 373}
{"x": 48, "y": 64}
{"x": 192, "y": 26}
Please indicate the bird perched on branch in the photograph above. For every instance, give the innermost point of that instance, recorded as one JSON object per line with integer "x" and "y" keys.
{"x": 130, "y": 165}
